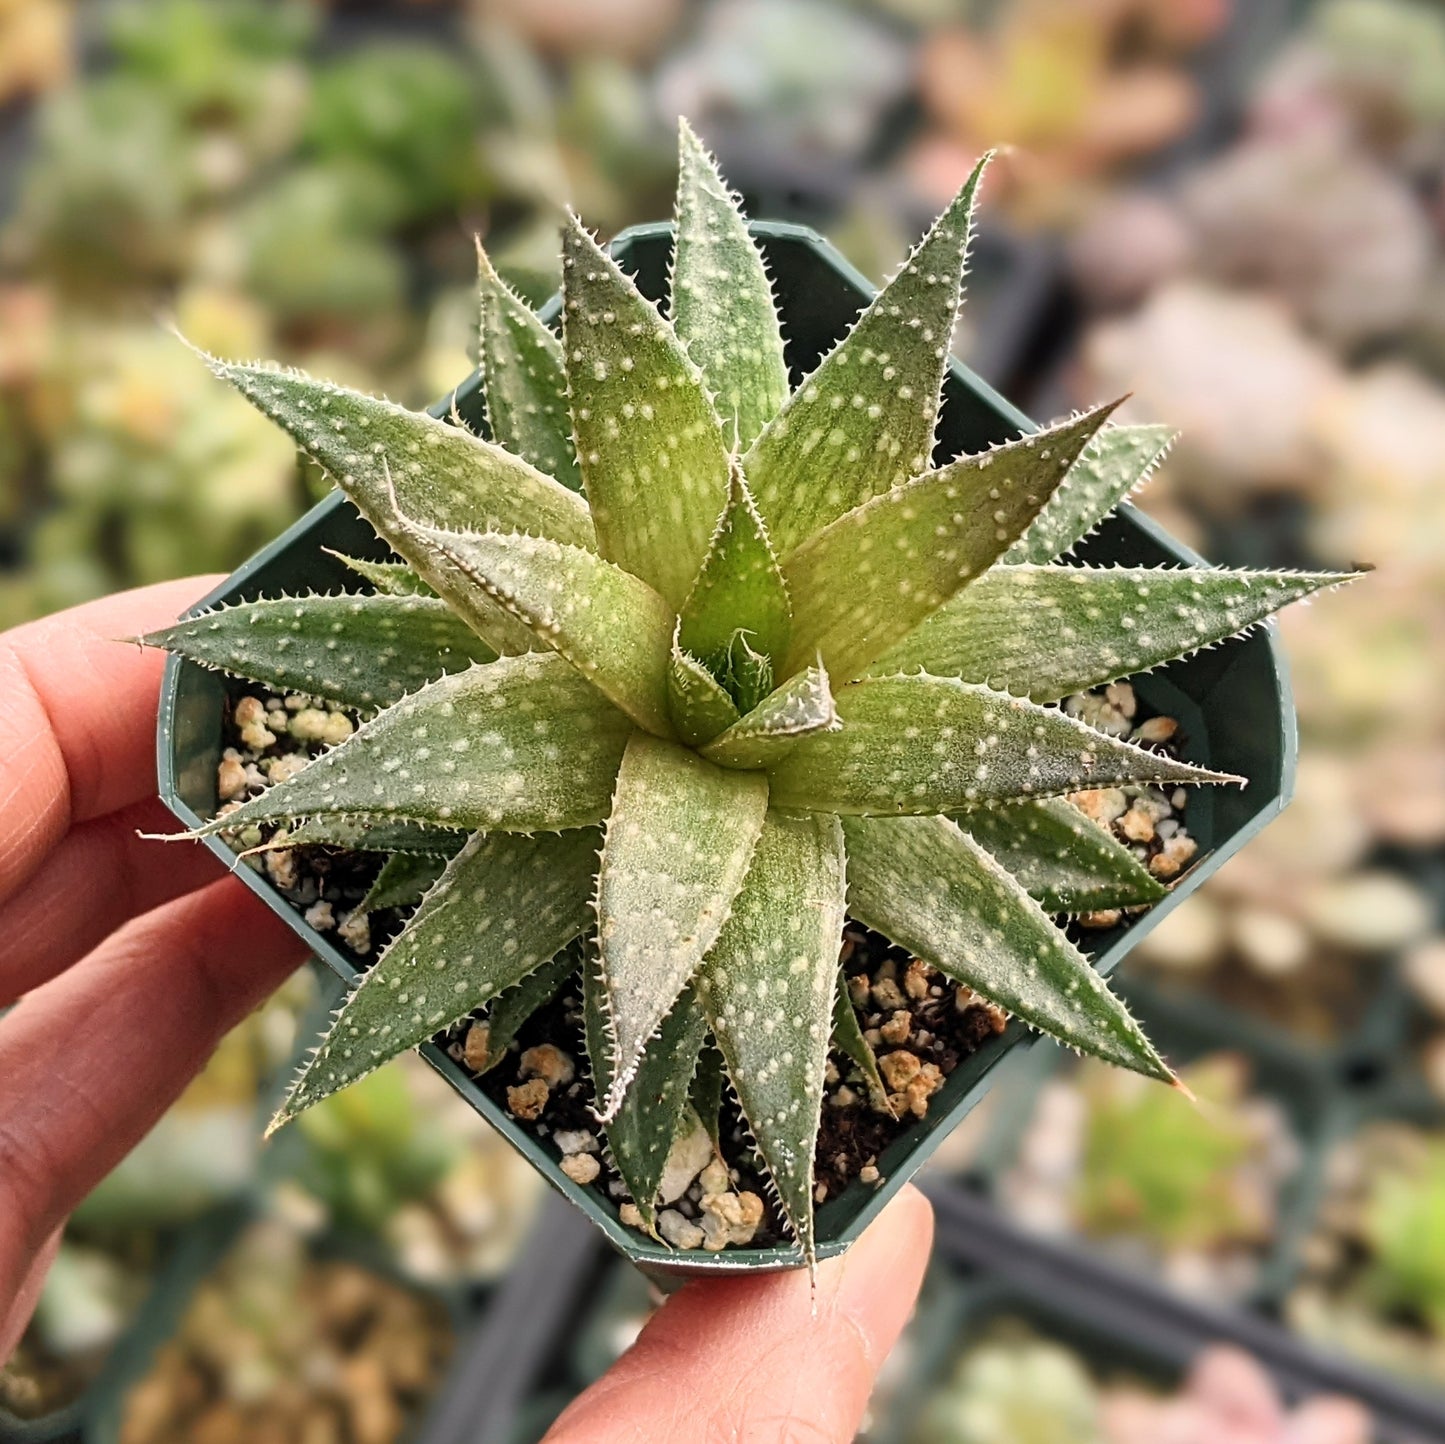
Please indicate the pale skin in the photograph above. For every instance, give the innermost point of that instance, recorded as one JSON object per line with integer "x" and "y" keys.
{"x": 128, "y": 961}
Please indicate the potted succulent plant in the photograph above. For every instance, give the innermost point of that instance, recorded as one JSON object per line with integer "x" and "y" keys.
{"x": 699, "y": 658}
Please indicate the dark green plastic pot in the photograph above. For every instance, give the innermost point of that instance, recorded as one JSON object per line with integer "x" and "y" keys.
{"x": 1233, "y": 703}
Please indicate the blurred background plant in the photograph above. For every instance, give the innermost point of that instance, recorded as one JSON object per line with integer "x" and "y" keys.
{"x": 1233, "y": 209}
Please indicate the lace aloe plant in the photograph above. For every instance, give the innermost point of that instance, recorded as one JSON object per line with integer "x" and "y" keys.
{"x": 684, "y": 662}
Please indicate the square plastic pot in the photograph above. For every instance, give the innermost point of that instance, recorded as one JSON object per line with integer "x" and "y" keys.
{"x": 1233, "y": 704}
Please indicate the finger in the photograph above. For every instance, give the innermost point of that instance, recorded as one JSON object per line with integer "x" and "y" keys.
{"x": 13, "y": 1321}
{"x": 99, "y": 877}
{"x": 748, "y": 1358}
{"x": 77, "y": 718}
{"x": 91, "y": 1060}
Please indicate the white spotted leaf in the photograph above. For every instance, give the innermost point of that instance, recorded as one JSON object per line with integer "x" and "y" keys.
{"x": 524, "y": 385}
{"x": 612, "y": 627}
{"x": 864, "y": 420}
{"x": 930, "y": 888}
{"x": 738, "y": 589}
{"x": 679, "y": 837}
{"x": 722, "y": 302}
{"x": 511, "y": 1010}
{"x": 1064, "y": 860}
{"x": 848, "y": 1039}
{"x": 870, "y": 577}
{"x": 368, "y": 834}
{"x": 767, "y": 986}
{"x": 801, "y": 706}
{"x": 655, "y": 1107}
{"x": 467, "y": 752}
{"x": 403, "y": 880}
{"x": 653, "y": 461}
{"x": 697, "y": 703}
{"x": 503, "y": 907}
{"x": 1116, "y": 462}
{"x": 390, "y": 579}
{"x": 387, "y": 459}
{"x": 361, "y": 652}
{"x": 1046, "y": 632}
{"x": 917, "y": 745}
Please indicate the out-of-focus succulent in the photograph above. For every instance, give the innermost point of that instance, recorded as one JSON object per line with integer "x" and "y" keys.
{"x": 1340, "y": 237}
{"x": 1018, "y": 1390}
{"x": 1385, "y": 59}
{"x": 1181, "y": 1177}
{"x": 1047, "y": 80}
{"x": 396, "y": 1158}
{"x": 229, "y": 69}
{"x": 1246, "y": 388}
{"x": 1401, "y": 1224}
{"x": 1228, "y": 1398}
{"x": 35, "y": 46}
{"x": 314, "y": 250}
{"x": 665, "y": 654}
{"x": 109, "y": 194}
{"x": 400, "y": 122}
{"x": 278, "y": 1344}
{"x": 1374, "y": 1278}
{"x": 630, "y": 30}
{"x": 801, "y": 77}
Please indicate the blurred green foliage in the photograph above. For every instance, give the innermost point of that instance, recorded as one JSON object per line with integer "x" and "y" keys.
{"x": 275, "y": 188}
{"x": 1158, "y": 1166}
{"x": 1404, "y": 1212}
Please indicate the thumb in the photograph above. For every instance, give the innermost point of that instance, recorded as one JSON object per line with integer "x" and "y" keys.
{"x": 749, "y": 1358}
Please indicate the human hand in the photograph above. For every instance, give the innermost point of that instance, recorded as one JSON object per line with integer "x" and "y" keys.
{"x": 750, "y": 1360}
{"x": 130, "y": 960}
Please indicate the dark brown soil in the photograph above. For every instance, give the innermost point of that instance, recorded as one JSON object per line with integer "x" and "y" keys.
{"x": 854, "y": 1131}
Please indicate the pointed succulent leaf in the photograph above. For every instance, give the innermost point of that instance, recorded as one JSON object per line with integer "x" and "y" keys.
{"x": 389, "y": 461}
{"x": 848, "y": 1039}
{"x": 1116, "y": 462}
{"x": 768, "y": 985}
{"x": 864, "y": 420}
{"x": 612, "y": 627}
{"x": 696, "y": 701}
{"x": 641, "y": 1134}
{"x": 802, "y": 705}
{"x": 746, "y": 673}
{"x": 920, "y": 744}
{"x": 504, "y": 906}
{"x": 722, "y": 302}
{"x": 390, "y": 579}
{"x": 870, "y": 577}
{"x": 363, "y": 652}
{"x": 516, "y": 745}
{"x": 441, "y": 473}
{"x": 512, "y": 1009}
{"x": 369, "y": 834}
{"x": 1045, "y": 632}
{"x": 709, "y": 1083}
{"x": 403, "y": 880}
{"x": 929, "y": 887}
{"x": 739, "y": 587}
{"x": 653, "y": 461}
{"x": 524, "y": 384}
{"x": 1065, "y": 861}
{"x": 679, "y": 838}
